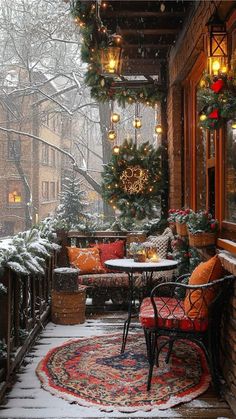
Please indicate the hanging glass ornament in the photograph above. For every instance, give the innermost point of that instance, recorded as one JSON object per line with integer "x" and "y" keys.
{"x": 111, "y": 135}
{"x": 116, "y": 149}
{"x": 115, "y": 117}
{"x": 137, "y": 123}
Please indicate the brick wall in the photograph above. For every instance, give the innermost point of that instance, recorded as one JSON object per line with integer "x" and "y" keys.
{"x": 182, "y": 58}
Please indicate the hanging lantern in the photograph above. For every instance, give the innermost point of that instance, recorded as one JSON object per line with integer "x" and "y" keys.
{"x": 115, "y": 117}
{"x": 116, "y": 150}
{"x": 111, "y": 135}
{"x": 158, "y": 129}
{"x": 111, "y": 60}
{"x": 137, "y": 123}
{"x": 218, "y": 46}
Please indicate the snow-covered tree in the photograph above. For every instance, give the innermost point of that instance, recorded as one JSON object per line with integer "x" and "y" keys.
{"x": 73, "y": 204}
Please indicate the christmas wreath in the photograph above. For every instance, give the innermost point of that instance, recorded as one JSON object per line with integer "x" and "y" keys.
{"x": 132, "y": 181}
{"x": 95, "y": 38}
{"x": 217, "y": 100}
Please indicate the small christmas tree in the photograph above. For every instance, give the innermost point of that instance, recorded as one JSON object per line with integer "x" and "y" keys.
{"x": 71, "y": 212}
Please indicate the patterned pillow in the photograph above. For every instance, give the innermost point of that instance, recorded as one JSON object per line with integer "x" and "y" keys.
{"x": 208, "y": 271}
{"x": 86, "y": 260}
{"x": 108, "y": 251}
{"x": 161, "y": 243}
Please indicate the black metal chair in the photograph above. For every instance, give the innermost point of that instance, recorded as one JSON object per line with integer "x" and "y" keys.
{"x": 191, "y": 312}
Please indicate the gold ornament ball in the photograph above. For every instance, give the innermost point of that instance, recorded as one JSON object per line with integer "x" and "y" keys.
{"x": 137, "y": 123}
{"x": 233, "y": 124}
{"x": 111, "y": 135}
{"x": 116, "y": 149}
{"x": 158, "y": 129}
{"x": 202, "y": 117}
{"x": 115, "y": 117}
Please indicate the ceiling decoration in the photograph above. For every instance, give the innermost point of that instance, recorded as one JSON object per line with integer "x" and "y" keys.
{"x": 145, "y": 30}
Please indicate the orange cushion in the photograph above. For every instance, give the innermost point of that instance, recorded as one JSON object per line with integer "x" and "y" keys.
{"x": 205, "y": 272}
{"x": 108, "y": 251}
{"x": 86, "y": 260}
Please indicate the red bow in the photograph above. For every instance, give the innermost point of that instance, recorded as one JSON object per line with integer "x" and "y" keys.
{"x": 217, "y": 86}
{"x": 214, "y": 114}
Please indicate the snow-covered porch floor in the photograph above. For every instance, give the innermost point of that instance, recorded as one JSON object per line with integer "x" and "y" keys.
{"x": 28, "y": 400}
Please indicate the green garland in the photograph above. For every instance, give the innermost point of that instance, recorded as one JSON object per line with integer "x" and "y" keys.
{"x": 103, "y": 89}
{"x": 143, "y": 203}
{"x": 216, "y": 100}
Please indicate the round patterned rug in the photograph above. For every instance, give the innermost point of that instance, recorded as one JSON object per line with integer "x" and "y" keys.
{"x": 92, "y": 372}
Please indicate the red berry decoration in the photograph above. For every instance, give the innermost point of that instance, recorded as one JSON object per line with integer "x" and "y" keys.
{"x": 214, "y": 114}
{"x": 217, "y": 86}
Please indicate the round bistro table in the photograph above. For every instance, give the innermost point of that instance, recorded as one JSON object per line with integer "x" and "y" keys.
{"x": 129, "y": 266}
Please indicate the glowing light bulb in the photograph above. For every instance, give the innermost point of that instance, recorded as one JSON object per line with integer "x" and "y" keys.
{"x": 115, "y": 117}
{"x": 158, "y": 129}
{"x": 202, "y": 117}
{"x": 215, "y": 66}
{"x": 233, "y": 125}
{"x": 111, "y": 135}
{"x": 137, "y": 123}
{"x": 116, "y": 149}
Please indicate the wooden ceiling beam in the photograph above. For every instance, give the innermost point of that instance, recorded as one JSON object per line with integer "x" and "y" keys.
{"x": 150, "y": 46}
{"x": 159, "y": 31}
{"x": 133, "y": 14}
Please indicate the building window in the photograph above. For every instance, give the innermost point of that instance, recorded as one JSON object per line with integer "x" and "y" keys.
{"x": 53, "y": 157}
{"x": 45, "y": 191}
{"x": 15, "y": 192}
{"x": 230, "y": 175}
{"x": 52, "y": 190}
{"x": 45, "y": 154}
{"x": 14, "y": 150}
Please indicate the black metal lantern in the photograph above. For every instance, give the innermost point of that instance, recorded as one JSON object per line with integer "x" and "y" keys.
{"x": 218, "y": 46}
{"x": 111, "y": 60}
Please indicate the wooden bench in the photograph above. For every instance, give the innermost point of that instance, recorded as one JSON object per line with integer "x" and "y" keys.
{"x": 101, "y": 287}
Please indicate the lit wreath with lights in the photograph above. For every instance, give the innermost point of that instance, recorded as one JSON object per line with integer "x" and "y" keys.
{"x": 217, "y": 101}
{"x": 132, "y": 181}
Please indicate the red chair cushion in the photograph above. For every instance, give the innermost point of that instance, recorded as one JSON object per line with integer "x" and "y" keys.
{"x": 171, "y": 315}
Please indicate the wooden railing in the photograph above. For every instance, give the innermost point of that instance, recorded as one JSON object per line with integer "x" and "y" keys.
{"x": 24, "y": 309}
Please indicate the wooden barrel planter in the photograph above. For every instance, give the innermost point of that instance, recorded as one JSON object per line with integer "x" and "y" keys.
{"x": 201, "y": 239}
{"x": 182, "y": 229}
{"x": 68, "y": 307}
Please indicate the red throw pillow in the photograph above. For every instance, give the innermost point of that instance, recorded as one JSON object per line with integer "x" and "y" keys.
{"x": 108, "y": 251}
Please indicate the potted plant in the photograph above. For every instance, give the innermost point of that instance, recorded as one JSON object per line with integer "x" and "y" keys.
{"x": 202, "y": 229}
{"x": 181, "y": 221}
{"x": 138, "y": 251}
{"x": 172, "y": 214}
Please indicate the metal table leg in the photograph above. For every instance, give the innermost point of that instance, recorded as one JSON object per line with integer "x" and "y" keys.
{"x": 131, "y": 306}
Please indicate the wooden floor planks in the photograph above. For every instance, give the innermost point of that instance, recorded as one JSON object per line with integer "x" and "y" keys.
{"x": 27, "y": 400}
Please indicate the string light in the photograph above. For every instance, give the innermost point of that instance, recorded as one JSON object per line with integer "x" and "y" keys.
{"x": 116, "y": 150}
{"x": 233, "y": 125}
{"x": 111, "y": 135}
{"x": 202, "y": 117}
{"x": 137, "y": 123}
{"x": 115, "y": 117}
{"x": 158, "y": 129}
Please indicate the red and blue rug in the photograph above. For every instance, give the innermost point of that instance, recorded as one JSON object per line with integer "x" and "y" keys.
{"x": 92, "y": 372}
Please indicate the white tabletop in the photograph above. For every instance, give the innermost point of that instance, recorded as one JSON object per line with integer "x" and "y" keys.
{"x": 129, "y": 264}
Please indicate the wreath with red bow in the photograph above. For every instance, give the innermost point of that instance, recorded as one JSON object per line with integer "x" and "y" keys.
{"x": 216, "y": 101}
